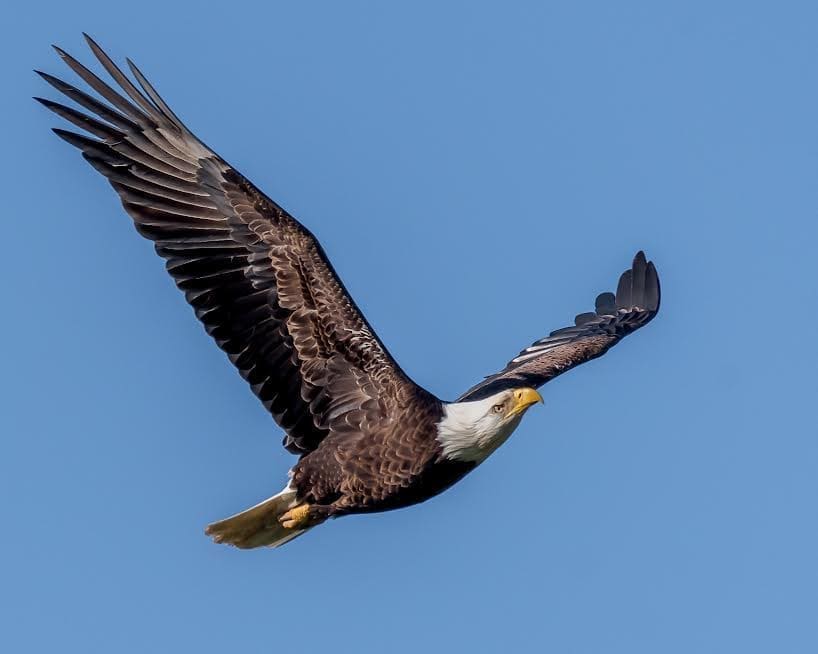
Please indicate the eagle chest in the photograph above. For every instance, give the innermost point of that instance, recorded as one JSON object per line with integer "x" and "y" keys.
{"x": 390, "y": 467}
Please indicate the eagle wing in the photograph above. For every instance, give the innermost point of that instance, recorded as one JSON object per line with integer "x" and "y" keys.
{"x": 635, "y": 304}
{"x": 256, "y": 278}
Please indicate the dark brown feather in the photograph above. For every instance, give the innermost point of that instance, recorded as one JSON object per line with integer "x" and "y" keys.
{"x": 257, "y": 279}
{"x": 392, "y": 466}
{"x": 635, "y": 304}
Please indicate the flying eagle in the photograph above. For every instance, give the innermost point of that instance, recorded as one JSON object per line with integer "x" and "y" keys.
{"x": 367, "y": 437}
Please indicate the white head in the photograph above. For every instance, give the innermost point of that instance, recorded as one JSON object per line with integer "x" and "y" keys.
{"x": 470, "y": 431}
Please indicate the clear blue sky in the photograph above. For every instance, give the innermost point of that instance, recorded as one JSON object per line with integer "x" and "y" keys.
{"x": 478, "y": 173}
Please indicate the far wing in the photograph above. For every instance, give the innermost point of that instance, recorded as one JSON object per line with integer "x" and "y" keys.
{"x": 635, "y": 304}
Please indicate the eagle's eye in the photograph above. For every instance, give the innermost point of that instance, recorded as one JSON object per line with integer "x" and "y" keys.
{"x": 498, "y": 408}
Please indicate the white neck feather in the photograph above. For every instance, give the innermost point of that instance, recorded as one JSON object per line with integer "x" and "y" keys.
{"x": 467, "y": 431}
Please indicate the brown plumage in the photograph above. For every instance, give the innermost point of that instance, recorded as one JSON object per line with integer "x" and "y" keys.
{"x": 368, "y": 437}
{"x": 635, "y": 304}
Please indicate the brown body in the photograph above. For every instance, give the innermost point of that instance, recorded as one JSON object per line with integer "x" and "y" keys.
{"x": 390, "y": 468}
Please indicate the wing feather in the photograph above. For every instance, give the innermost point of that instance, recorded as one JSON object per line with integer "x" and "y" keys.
{"x": 635, "y": 304}
{"x": 255, "y": 277}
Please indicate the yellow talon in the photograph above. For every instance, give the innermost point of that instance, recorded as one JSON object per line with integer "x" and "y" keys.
{"x": 296, "y": 518}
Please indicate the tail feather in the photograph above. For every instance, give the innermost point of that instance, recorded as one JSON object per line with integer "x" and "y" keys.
{"x": 258, "y": 526}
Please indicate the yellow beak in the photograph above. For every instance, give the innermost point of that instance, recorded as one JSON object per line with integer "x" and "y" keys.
{"x": 524, "y": 398}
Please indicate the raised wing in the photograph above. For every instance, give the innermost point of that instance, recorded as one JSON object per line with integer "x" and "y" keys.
{"x": 256, "y": 278}
{"x": 635, "y": 304}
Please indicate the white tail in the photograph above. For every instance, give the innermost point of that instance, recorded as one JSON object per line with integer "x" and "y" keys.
{"x": 257, "y": 526}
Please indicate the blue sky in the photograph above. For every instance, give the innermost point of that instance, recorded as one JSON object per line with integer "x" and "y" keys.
{"x": 477, "y": 172}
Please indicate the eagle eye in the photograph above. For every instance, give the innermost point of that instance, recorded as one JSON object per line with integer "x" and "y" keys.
{"x": 498, "y": 408}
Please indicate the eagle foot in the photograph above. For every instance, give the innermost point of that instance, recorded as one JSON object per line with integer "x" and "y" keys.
{"x": 296, "y": 518}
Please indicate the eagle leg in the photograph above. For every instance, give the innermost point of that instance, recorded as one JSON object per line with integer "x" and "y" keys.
{"x": 304, "y": 516}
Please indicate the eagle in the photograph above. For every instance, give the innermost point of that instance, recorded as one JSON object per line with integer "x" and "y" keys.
{"x": 367, "y": 437}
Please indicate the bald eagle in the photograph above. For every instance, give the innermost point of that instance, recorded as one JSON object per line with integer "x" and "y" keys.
{"x": 367, "y": 437}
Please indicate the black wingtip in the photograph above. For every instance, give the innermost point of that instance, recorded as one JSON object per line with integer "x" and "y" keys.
{"x": 605, "y": 304}
{"x": 95, "y": 47}
{"x": 638, "y": 269}
{"x": 639, "y": 285}
{"x": 653, "y": 289}
{"x": 64, "y": 134}
{"x": 644, "y": 291}
{"x": 56, "y": 82}
{"x": 48, "y": 78}
{"x": 77, "y": 140}
{"x": 90, "y": 40}
{"x": 623, "y": 290}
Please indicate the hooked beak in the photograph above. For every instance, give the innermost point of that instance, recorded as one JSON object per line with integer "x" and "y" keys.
{"x": 524, "y": 398}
